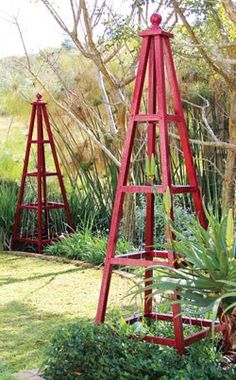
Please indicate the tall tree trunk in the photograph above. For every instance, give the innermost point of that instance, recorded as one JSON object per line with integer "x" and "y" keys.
{"x": 228, "y": 191}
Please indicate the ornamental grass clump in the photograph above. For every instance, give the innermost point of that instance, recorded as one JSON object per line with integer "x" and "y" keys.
{"x": 8, "y": 199}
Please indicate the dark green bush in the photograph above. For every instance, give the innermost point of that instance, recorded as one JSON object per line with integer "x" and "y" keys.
{"x": 183, "y": 219}
{"x": 88, "y": 352}
{"x": 84, "y": 246}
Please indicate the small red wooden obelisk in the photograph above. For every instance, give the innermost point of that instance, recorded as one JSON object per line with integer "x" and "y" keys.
{"x": 42, "y": 205}
{"x": 157, "y": 56}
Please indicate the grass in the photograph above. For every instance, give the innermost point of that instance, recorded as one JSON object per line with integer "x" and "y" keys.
{"x": 35, "y": 298}
{"x": 12, "y": 147}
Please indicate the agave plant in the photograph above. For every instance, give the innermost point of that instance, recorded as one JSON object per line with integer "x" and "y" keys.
{"x": 205, "y": 277}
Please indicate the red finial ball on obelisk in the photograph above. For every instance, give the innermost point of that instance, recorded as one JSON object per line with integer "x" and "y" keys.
{"x": 155, "y": 20}
{"x": 38, "y": 97}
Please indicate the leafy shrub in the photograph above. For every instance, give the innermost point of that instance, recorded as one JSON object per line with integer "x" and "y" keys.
{"x": 84, "y": 246}
{"x": 183, "y": 219}
{"x": 88, "y": 351}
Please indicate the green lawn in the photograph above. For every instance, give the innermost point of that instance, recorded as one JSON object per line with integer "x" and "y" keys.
{"x": 36, "y": 297}
{"x": 13, "y": 135}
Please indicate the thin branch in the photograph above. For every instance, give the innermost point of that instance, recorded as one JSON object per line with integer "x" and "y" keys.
{"x": 81, "y": 125}
{"x": 130, "y": 76}
{"x": 113, "y": 128}
{"x": 61, "y": 23}
{"x": 73, "y": 10}
{"x": 91, "y": 51}
{"x": 76, "y": 17}
{"x": 159, "y": 6}
{"x": 214, "y": 166}
{"x": 83, "y": 128}
{"x": 99, "y": 14}
{"x": 55, "y": 15}
{"x": 221, "y": 59}
{"x": 230, "y": 8}
{"x": 226, "y": 45}
{"x": 204, "y": 117}
{"x": 9, "y": 128}
{"x": 23, "y": 42}
{"x": 168, "y": 18}
{"x": 214, "y": 144}
{"x": 96, "y": 53}
{"x": 53, "y": 68}
{"x": 202, "y": 50}
{"x": 112, "y": 54}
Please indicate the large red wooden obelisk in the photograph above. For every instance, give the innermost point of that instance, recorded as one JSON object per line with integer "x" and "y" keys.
{"x": 155, "y": 59}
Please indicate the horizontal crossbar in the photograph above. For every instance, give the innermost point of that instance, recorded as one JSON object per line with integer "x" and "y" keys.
{"x": 136, "y": 262}
{"x": 42, "y": 174}
{"x": 160, "y": 340}
{"x": 158, "y": 188}
{"x": 185, "y": 320}
{"x": 201, "y": 334}
{"x": 169, "y": 318}
{"x": 140, "y": 255}
{"x": 49, "y": 205}
{"x": 155, "y": 118}
{"x": 41, "y": 141}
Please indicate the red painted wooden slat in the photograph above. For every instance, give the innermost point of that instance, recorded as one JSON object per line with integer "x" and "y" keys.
{"x": 155, "y": 118}
{"x": 136, "y": 262}
{"x": 160, "y": 340}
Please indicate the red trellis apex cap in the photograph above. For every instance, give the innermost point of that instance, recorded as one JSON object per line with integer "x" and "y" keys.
{"x": 155, "y": 20}
{"x": 155, "y": 28}
{"x": 38, "y": 99}
{"x": 38, "y": 96}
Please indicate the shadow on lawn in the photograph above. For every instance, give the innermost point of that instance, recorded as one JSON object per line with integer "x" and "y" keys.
{"x": 24, "y": 336}
{"x": 53, "y": 274}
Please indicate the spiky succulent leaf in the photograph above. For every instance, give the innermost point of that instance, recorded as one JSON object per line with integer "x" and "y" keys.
{"x": 230, "y": 231}
{"x": 207, "y": 278}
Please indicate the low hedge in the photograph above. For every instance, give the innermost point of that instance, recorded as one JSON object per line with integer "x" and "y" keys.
{"x": 85, "y": 246}
{"x": 88, "y": 352}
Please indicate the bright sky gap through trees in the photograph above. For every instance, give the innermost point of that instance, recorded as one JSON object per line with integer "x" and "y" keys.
{"x": 38, "y": 28}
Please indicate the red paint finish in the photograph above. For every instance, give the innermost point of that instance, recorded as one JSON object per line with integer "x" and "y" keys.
{"x": 42, "y": 204}
{"x": 156, "y": 60}
{"x": 151, "y": 151}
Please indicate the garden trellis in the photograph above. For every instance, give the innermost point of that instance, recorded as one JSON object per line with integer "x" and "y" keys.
{"x": 155, "y": 70}
{"x": 34, "y": 224}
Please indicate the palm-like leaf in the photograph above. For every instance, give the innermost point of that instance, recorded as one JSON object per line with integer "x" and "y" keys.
{"x": 207, "y": 278}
